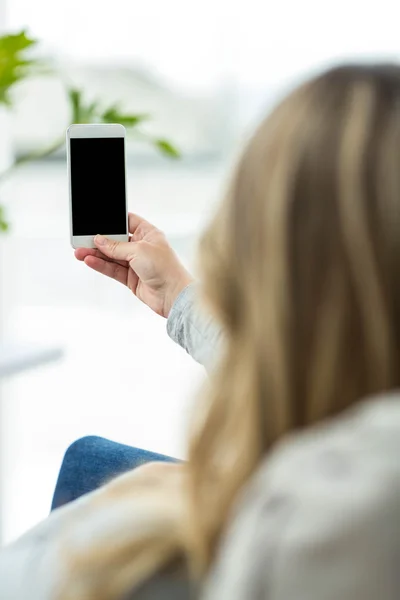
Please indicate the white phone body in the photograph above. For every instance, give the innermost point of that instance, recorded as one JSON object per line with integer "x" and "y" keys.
{"x": 84, "y": 238}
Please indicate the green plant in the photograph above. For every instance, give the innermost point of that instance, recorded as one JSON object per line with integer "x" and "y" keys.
{"x": 17, "y": 64}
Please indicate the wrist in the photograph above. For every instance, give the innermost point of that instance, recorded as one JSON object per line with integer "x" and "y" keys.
{"x": 175, "y": 288}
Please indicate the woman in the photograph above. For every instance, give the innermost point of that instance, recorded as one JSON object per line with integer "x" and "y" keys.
{"x": 286, "y": 494}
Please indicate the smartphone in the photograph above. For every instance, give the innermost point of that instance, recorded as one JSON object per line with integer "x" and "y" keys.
{"x": 97, "y": 183}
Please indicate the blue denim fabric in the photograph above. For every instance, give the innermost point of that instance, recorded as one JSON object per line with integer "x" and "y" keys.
{"x": 92, "y": 461}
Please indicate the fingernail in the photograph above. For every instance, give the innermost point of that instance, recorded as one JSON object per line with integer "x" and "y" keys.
{"x": 100, "y": 240}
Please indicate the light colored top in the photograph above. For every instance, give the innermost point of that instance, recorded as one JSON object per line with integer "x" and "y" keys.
{"x": 320, "y": 520}
{"x": 190, "y": 327}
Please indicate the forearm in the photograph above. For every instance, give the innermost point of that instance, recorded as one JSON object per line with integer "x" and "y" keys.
{"x": 193, "y": 329}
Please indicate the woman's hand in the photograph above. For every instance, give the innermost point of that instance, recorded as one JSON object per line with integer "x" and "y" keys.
{"x": 146, "y": 264}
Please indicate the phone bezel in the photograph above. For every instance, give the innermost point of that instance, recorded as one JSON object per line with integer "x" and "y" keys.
{"x": 94, "y": 131}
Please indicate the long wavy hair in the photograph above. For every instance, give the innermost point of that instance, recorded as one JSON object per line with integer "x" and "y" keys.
{"x": 301, "y": 267}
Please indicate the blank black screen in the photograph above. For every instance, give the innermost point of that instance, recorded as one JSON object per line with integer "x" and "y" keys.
{"x": 98, "y": 186}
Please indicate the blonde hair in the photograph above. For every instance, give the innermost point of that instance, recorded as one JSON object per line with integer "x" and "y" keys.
{"x": 301, "y": 266}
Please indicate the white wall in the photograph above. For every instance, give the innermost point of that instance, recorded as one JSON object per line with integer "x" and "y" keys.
{"x": 197, "y": 44}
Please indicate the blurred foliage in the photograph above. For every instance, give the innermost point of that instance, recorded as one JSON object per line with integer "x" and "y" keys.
{"x": 81, "y": 112}
{"x": 4, "y": 225}
{"x": 17, "y": 64}
{"x": 114, "y": 115}
{"x": 93, "y": 112}
{"x": 167, "y": 148}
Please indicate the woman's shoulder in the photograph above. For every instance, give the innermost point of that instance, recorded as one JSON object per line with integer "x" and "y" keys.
{"x": 320, "y": 512}
{"x": 362, "y": 440}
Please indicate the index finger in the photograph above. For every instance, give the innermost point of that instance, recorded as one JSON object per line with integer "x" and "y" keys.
{"x": 82, "y": 253}
{"x": 135, "y": 223}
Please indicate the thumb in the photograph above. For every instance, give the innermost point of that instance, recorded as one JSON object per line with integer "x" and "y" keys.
{"x": 115, "y": 250}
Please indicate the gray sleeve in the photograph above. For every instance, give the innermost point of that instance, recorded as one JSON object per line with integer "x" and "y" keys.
{"x": 195, "y": 331}
{"x": 32, "y": 566}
